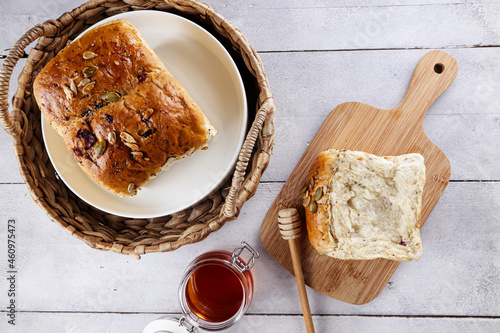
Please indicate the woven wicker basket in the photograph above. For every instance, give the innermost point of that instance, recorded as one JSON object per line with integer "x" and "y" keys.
{"x": 104, "y": 231}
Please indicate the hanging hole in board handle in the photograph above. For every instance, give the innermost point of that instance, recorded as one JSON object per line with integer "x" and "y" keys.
{"x": 438, "y": 68}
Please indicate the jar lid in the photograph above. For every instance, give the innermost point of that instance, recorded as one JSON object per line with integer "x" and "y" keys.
{"x": 168, "y": 324}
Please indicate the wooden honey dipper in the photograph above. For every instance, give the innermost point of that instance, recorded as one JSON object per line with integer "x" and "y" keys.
{"x": 290, "y": 227}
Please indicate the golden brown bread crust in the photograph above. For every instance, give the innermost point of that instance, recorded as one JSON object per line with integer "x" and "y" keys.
{"x": 132, "y": 103}
{"x": 121, "y": 58}
{"x": 320, "y": 176}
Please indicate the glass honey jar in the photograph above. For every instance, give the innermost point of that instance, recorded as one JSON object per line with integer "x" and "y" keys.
{"x": 215, "y": 291}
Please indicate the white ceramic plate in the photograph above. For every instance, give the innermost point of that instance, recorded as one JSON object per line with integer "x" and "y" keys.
{"x": 202, "y": 65}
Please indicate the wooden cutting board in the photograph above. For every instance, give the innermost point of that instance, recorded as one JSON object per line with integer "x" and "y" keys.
{"x": 357, "y": 126}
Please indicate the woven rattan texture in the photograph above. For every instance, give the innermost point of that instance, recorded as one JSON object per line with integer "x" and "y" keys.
{"x": 104, "y": 231}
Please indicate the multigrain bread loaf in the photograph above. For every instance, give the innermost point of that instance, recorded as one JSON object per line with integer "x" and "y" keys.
{"x": 121, "y": 113}
{"x": 360, "y": 206}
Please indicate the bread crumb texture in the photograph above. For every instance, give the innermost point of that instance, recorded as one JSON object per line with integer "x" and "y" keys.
{"x": 374, "y": 206}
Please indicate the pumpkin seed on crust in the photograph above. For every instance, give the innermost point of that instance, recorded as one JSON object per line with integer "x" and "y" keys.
{"x": 305, "y": 193}
{"x": 127, "y": 137}
{"x": 112, "y": 137}
{"x": 84, "y": 82}
{"x": 89, "y": 71}
{"x": 88, "y": 55}
{"x": 319, "y": 193}
{"x": 88, "y": 88}
{"x": 307, "y": 201}
{"x": 132, "y": 146}
{"x": 111, "y": 97}
{"x": 72, "y": 87}
{"x": 67, "y": 92}
{"x": 100, "y": 148}
{"x": 310, "y": 184}
{"x": 313, "y": 207}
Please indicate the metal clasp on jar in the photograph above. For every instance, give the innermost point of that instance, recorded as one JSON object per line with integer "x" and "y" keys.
{"x": 240, "y": 265}
{"x": 182, "y": 323}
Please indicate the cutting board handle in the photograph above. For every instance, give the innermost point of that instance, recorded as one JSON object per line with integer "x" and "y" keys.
{"x": 434, "y": 73}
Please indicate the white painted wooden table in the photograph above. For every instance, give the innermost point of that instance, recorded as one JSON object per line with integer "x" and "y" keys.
{"x": 317, "y": 54}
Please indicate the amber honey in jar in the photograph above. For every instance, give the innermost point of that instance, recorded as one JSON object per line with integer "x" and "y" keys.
{"x": 217, "y": 288}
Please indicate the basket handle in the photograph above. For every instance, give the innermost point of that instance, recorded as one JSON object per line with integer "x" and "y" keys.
{"x": 12, "y": 127}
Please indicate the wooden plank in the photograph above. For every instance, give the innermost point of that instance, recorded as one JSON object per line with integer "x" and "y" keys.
{"x": 344, "y": 26}
{"x": 366, "y": 27}
{"x": 135, "y": 322}
{"x": 457, "y": 275}
{"x": 21, "y": 7}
